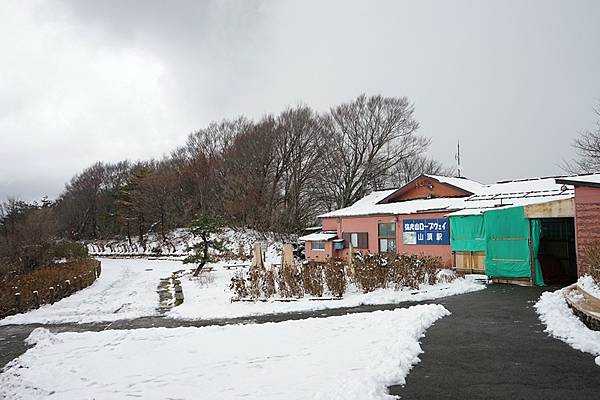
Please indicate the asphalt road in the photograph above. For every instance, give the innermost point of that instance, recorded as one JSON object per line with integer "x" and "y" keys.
{"x": 493, "y": 347}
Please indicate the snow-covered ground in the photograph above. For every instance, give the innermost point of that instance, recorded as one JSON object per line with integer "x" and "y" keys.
{"x": 213, "y": 299}
{"x": 347, "y": 357}
{"x": 564, "y": 325}
{"x": 125, "y": 289}
{"x": 178, "y": 240}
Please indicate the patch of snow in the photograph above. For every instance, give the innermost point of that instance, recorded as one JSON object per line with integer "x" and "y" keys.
{"x": 318, "y": 236}
{"x": 41, "y": 337}
{"x": 346, "y": 357}
{"x": 564, "y": 325}
{"x": 125, "y": 289}
{"x": 177, "y": 243}
{"x": 581, "y": 179}
{"x": 463, "y": 183}
{"x": 214, "y": 301}
{"x": 588, "y": 284}
{"x": 477, "y": 278}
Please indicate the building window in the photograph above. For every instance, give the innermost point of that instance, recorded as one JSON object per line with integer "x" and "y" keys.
{"x": 354, "y": 239}
{"x": 358, "y": 240}
{"x": 319, "y": 246}
{"x": 387, "y": 245}
{"x": 387, "y": 238}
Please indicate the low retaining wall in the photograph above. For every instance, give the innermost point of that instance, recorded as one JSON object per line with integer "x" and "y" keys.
{"x": 587, "y": 310}
{"x": 150, "y": 256}
{"x": 589, "y": 321}
{"x": 29, "y": 296}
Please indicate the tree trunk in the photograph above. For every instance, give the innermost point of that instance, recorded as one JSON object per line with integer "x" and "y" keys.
{"x": 128, "y": 233}
{"x": 204, "y": 256}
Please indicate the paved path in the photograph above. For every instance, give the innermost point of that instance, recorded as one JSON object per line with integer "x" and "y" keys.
{"x": 493, "y": 347}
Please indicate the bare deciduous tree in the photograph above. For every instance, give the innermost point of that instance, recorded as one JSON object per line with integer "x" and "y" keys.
{"x": 411, "y": 167}
{"x": 275, "y": 174}
{"x": 365, "y": 140}
{"x": 587, "y": 147}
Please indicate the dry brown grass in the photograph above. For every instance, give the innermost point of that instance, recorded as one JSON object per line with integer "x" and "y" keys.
{"x": 80, "y": 274}
{"x": 592, "y": 260}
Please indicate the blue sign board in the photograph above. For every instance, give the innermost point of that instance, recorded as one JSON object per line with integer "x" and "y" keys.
{"x": 426, "y": 231}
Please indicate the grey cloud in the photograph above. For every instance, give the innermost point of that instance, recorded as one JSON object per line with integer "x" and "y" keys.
{"x": 514, "y": 81}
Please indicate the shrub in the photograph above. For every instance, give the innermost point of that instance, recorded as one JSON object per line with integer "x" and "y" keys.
{"x": 256, "y": 278}
{"x": 335, "y": 277}
{"x": 592, "y": 260}
{"x": 289, "y": 281}
{"x": 375, "y": 271}
{"x": 268, "y": 283}
{"x": 238, "y": 285}
{"x": 370, "y": 272}
{"x": 312, "y": 279}
{"x": 80, "y": 273}
{"x": 68, "y": 250}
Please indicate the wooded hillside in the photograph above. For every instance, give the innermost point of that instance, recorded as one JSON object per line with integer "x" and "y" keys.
{"x": 275, "y": 174}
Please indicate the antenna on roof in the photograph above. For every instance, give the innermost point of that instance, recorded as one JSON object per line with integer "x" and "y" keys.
{"x": 457, "y": 157}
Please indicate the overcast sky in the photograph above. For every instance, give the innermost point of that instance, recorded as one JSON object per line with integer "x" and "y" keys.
{"x": 83, "y": 81}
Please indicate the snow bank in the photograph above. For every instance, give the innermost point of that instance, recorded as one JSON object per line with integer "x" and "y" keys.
{"x": 564, "y": 325}
{"x": 126, "y": 289}
{"x": 347, "y": 357}
{"x": 588, "y": 284}
{"x": 214, "y": 300}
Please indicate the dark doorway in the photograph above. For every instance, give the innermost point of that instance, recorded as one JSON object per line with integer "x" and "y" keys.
{"x": 557, "y": 253}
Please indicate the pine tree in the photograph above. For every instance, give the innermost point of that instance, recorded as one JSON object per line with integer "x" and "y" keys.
{"x": 206, "y": 228}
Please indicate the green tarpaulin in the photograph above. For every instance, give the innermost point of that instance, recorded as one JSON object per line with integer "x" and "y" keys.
{"x": 504, "y": 235}
{"x": 508, "y": 254}
{"x": 467, "y": 233}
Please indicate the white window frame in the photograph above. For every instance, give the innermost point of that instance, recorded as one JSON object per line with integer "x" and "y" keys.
{"x": 354, "y": 240}
{"x": 387, "y": 245}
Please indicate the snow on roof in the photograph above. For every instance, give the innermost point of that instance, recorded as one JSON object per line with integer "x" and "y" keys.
{"x": 461, "y": 183}
{"x": 520, "y": 192}
{"x": 403, "y": 207}
{"x": 479, "y": 207}
{"x": 519, "y": 187}
{"x": 502, "y": 194}
{"x": 583, "y": 179}
{"x": 319, "y": 236}
{"x": 374, "y": 197}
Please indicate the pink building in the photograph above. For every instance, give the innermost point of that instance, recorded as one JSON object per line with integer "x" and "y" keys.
{"x": 409, "y": 220}
{"x": 587, "y": 214}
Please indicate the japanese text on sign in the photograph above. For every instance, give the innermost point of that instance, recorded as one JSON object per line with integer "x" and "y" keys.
{"x": 426, "y": 231}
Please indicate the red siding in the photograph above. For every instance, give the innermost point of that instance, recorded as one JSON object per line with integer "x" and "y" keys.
{"x": 587, "y": 221}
